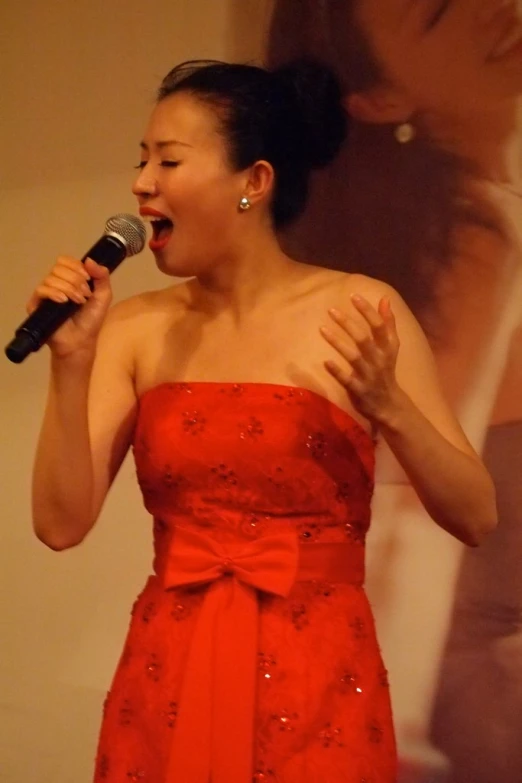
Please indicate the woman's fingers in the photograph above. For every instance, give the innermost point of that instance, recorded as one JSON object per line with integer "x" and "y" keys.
{"x": 67, "y": 262}
{"x": 388, "y": 317}
{"x": 359, "y": 334}
{"x": 376, "y": 332}
{"x": 67, "y": 281}
{"x": 375, "y": 319}
{"x": 70, "y": 283}
{"x": 368, "y": 345}
{"x": 347, "y": 378}
{"x": 55, "y": 284}
{"x": 356, "y": 354}
{"x": 96, "y": 271}
{"x": 342, "y": 375}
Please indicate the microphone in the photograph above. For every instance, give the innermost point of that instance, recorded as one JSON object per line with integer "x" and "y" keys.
{"x": 124, "y": 236}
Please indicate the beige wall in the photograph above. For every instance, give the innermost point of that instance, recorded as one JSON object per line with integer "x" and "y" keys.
{"x": 77, "y": 81}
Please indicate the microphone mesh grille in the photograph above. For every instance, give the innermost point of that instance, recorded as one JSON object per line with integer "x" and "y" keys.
{"x": 131, "y": 230}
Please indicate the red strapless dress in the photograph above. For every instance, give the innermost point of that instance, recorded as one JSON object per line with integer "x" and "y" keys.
{"x": 251, "y": 655}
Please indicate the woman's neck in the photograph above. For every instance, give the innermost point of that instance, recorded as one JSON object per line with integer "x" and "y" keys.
{"x": 489, "y": 140}
{"x": 253, "y": 273}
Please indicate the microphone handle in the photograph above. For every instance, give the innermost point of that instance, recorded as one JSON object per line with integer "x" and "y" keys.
{"x": 109, "y": 251}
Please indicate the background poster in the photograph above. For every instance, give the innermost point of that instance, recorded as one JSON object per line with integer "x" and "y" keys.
{"x": 440, "y": 217}
{"x": 426, "y": 195}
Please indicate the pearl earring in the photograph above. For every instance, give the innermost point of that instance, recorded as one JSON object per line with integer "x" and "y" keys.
{"x": 244, "y": 204}
{"x": 405, "y": 132}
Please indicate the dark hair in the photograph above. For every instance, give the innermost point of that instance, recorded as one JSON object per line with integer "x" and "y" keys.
{"x": 385, "y": 209}
{"x": 292, "y": 117}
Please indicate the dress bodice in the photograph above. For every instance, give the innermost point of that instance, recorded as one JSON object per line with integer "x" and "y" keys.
{"x": 237, "y": 459}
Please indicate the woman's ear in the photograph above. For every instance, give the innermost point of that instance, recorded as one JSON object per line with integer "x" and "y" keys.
{"x": 260, "y": 182}
{"x": 381, "y": 105}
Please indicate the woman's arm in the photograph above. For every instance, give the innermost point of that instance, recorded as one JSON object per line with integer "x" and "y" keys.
{"x": 91, "y": 404}
{"x": 397, "y": 389}
{"x": 85, "y": 435}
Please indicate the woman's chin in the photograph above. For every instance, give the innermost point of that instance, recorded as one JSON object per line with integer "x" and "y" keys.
{"x": 174, "y": 267}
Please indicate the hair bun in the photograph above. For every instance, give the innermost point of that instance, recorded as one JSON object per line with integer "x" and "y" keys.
{"x": 320, "y": 121}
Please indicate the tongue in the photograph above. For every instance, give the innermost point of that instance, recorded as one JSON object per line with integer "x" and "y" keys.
{"x": 162, "y": 229}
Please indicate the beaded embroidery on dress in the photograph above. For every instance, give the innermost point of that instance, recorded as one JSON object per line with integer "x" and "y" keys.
{"x": 251, "y": 655}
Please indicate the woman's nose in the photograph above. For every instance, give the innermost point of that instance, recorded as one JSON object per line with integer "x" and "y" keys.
{"x": 145, "y": 183}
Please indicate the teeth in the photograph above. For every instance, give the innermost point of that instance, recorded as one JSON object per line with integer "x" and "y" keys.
{"x": 508, "y": 42}
{"x": 153, "y": 218}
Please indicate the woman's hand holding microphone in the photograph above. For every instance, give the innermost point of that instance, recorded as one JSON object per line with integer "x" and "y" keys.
{"x": 86, "y": 284}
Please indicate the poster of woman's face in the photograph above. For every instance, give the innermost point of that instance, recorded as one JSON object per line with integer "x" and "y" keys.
{"x": 427, "y": 195}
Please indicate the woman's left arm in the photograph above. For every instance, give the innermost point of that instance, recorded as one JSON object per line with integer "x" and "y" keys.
{"x": 395, "y": 385}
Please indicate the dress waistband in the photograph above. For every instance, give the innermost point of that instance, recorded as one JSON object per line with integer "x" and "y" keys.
{"x": 219, "y": 688}
{"x": 337, "y": 563}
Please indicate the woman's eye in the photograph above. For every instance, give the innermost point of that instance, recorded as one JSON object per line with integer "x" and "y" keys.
{"x": 164, "y": 163}
{"x": 437, "y": 16}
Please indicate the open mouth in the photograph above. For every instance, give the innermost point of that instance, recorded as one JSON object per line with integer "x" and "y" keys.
{"x": 162, "y": 229}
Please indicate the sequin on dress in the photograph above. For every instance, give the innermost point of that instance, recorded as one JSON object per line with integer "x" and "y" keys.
{"x": 251, "y": 655}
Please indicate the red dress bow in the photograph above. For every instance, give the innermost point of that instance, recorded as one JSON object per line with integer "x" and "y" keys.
{"x": 214, "y": 734}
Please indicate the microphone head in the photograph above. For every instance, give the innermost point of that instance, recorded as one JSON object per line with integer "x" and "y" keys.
{"x": 130, "y": 229}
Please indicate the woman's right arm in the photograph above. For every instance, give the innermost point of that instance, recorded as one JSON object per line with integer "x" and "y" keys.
{"x": 90, "y": 413}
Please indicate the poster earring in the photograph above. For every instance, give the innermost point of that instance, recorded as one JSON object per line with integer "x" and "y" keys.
{"x": 405, "y": 132}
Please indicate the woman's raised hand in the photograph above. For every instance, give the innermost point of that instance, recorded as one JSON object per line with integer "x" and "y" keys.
{"x": 368, "y": 348}
{"x": 69, "y": 280}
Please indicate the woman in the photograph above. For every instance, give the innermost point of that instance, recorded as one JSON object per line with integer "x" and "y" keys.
{"x": 430, "y": 165}
{"x": 251, "y": 653}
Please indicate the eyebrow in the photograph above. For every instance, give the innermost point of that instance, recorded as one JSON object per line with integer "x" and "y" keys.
{"x": 166, "y": 143}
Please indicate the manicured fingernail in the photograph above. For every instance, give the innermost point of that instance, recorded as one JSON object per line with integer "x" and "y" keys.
{"x": 356, "y": 298}
{"x": 334, "y": 312}
{"x": 62, "y": 297}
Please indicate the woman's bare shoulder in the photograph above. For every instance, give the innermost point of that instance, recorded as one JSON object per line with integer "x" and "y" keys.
{"x": 135, "y": 309}
{"x": 363, "y": 285}
{"x": 372, "y": 289}
{"x": 320, "y": 278}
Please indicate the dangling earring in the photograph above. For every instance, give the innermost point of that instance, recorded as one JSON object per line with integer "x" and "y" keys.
{"x": 405, "y": 132}
{"x": 244, "y": 204}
